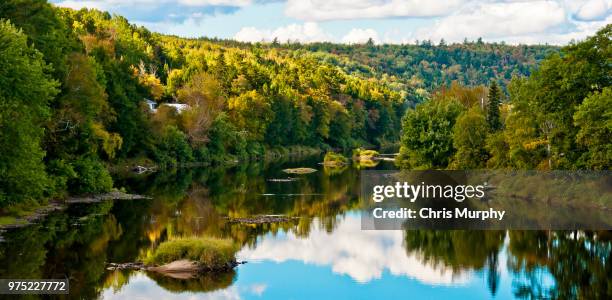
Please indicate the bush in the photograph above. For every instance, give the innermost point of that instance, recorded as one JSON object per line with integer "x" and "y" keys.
{"x": 61, "y": 173}
{"x": 212, "y": 253}
{"x": 173, "y": 149}
{"x": 226, "y": 142}
{"x": 92, "y": 177}
{"x": 361, "y": 154}
{"x": 334, "y": 159}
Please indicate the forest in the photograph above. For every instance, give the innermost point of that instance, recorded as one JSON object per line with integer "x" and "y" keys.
{"x": 81, "y": 91}
{"x": 558, "y": 118}
{"x": 417, "y": 70}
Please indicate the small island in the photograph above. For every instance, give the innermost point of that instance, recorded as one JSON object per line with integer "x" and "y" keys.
{"x": 333, "y": 159}
{"x": 187, "y": 257}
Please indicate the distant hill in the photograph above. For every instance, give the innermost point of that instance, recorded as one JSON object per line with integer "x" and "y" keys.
{"x": 425, "y": 67}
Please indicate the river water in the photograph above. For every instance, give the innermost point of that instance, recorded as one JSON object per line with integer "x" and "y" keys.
{"x": 323, "y": 255}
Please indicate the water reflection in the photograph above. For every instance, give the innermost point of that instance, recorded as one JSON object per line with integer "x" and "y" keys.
{"x": 362, "y": 255}
{"x": 324, "y": 250}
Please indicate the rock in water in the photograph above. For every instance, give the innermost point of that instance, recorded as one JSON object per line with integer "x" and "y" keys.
{"x": 179, "y": 269}
{"x": 300, "y": 170}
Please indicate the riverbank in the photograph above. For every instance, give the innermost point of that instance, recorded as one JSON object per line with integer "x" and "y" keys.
{"x": 20, "y": 216}
{"x": 24, "y": 214}
{"x": 271, "y": 154}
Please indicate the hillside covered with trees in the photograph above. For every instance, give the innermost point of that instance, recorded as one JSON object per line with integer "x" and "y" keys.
{"x": 560, "y": 117}
{"x": 83, "y": 90}
{"x": 418, "y": 70}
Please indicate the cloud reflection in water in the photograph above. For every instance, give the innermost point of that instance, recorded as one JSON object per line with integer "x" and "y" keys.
{"x": 361, "y": 254}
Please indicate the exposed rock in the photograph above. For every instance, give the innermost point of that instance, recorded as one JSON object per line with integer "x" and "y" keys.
{"x": 263, "y": 219}
{"x": 288, "y": 179}
{"x": 300, "y": 170}
{"x": 179, "y": 269}
{"x": 114, "y": 195}
{"x": 36, "y": 215}
{"x": 126, "y": 266}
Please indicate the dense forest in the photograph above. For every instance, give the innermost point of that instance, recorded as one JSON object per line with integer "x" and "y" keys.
{"x": 75, "y": 85}
{"x": 560, "y": 117}
{"x": 420, "y": 69}
{"x": 83, "y": 90}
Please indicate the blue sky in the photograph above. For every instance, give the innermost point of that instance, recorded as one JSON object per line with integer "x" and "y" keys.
{"x": 354, "y": 21}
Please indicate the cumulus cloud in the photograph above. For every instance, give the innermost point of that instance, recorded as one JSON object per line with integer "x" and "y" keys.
{"x": 593, "y": 10}
{"x": 493, "y": 20}
{"x": 322, "y": 10}
{"x": 360, "y": 36}
{"x": 306, "y": 33}
{"x": 361, "y": 254}
{"x": 512, "y": 21}
{"x": 580, "y": 31}
{"x": 140, "y": 286}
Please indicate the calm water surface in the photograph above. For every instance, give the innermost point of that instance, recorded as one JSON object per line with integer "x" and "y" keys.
{"x": 324, "y": 255}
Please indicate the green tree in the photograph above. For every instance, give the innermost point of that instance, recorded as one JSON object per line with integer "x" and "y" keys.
{"x": 493, "y": 110}
{"x": 93, "y": 178}
{"x": 469, "y": 138}
{"x": 173, "y": 148}
{"x": 25, "y": 92}
{"x": 45, "y": 30}
{"x": 427, "y": 140}
{"x": 251, "y": 112}
{"x": 204, "y": 95}
{"x": 594, "y": 121}
{"x": 549, "y": 98}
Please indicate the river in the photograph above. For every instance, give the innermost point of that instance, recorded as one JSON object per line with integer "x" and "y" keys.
{"x": 322, "y": 255}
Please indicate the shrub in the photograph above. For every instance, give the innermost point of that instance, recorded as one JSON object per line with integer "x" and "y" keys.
{"x": 92, "y": 177}
{"x": 334, "y": 159}
{"x": 61, "y": 173}
{"x": 361, "y": 154}
{"x": 173, "y": 147}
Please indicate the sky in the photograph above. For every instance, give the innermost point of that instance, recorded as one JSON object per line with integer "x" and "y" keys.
{"x": 355, "y": 21}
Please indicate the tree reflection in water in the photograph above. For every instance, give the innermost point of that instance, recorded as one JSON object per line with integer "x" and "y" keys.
{"x": 78, "y": 242}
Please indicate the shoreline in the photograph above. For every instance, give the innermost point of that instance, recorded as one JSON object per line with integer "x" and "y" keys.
{"x": 12, "y": 221}
{"x": 31, "y": 217}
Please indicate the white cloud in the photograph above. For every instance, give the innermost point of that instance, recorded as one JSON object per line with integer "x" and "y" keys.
{"x": 361, "y": 36}
{"x": 361, "y": 254}
{"x": 580, "y": 32}
{"x": 322, "y": 10}
{"x": 307, "y": 32}
{"x": 140, "y": 286}
{"x": 497, "y": 20}
{"x": 593, "y": 10}
{"x": 512, "y": 21}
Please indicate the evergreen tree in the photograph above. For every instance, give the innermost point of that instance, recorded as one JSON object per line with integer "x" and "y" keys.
{"x": 494, "y": 101}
